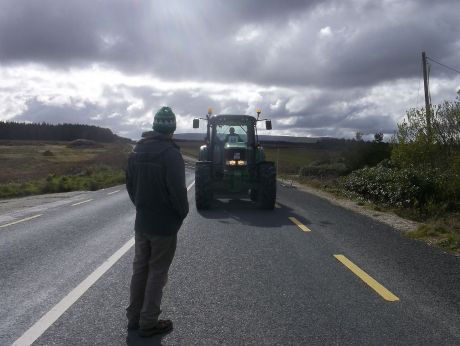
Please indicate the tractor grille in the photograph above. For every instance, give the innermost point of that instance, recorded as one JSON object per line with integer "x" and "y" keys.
{"x": 235, "y": 154}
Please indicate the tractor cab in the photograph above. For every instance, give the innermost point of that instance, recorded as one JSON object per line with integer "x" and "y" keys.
{"x": 232, "y": 140}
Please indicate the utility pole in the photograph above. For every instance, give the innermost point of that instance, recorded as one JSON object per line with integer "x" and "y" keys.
{"x": 427, "y": 99}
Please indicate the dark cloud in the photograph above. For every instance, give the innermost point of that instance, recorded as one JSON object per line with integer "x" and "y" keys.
{"x": 91, "y": 114}
{"x": 38, "y": 112}
{"x": 263, "y": 10}
{"x": 350, "y": 118}
{"x": 47, "y": 31}
{"x": 368, "y": 42}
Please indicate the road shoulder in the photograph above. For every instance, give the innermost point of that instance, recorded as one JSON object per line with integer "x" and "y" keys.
{"x": 388, "y": 218}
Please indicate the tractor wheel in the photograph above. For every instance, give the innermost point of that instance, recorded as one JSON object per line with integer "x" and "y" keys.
{"x": 266, "y": 196}
{"x": 203, "y": 186}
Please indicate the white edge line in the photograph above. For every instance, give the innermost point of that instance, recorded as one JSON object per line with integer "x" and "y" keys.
{"x": 34, "y": 332}
{"x": 111, "y": 193}
{"x": 22, "y": 220}
{"x": 88, "y": 200}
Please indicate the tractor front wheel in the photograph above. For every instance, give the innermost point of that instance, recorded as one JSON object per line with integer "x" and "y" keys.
{"x": 266, "y": 194}
{"x": 203, "y": 185}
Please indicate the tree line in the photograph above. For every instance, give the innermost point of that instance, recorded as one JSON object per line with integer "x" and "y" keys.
{"x": 59, "y": 132}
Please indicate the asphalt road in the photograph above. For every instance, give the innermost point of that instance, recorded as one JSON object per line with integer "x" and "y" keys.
{"x": 241, "y": 276}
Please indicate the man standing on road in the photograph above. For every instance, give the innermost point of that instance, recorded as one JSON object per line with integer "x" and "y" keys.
{"x": 155, "y": 180}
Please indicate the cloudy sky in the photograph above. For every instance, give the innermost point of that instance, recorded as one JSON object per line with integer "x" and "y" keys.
{"x": 316, "y": 68}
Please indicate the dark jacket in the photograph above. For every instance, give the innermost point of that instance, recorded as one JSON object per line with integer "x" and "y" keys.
{"x": 155, "y": 180}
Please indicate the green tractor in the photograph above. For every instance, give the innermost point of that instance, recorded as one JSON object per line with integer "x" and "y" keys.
{"x": 232, "y": 162}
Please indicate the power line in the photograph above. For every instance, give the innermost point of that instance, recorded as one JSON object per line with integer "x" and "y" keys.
{"x": 448, "y": 67}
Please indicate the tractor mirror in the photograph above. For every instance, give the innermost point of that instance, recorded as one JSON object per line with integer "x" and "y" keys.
{"x": 268, "y": 124}
{"x": 196, "y": 123}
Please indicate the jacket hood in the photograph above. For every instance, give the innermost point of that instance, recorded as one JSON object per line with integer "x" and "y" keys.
{"x": 154, "y": 143}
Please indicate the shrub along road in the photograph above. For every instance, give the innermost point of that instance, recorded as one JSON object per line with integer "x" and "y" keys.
{"x": 308, "y": 272}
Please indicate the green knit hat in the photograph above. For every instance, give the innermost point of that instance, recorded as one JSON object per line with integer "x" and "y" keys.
{"x": 164, "y": 121}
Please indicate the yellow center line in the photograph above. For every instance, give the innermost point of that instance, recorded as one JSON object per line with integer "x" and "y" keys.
{"x": 111, "y": 193}
{"x": 299, "y": 224}
{"x": 88, "y": 200}
{"x": 377, "y": 287}
{"x": 22, "y": 220}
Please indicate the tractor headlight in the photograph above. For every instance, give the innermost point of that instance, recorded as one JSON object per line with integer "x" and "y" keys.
{"x": 236, "y": 163}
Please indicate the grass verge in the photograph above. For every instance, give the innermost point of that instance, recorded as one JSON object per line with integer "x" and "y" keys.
{"x": 89, "y": 179}
{"x": 442, "y": 231}
{"x": 39, "y": 167}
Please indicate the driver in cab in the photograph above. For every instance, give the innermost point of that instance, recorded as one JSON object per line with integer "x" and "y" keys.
{"x": 233, "y": 137}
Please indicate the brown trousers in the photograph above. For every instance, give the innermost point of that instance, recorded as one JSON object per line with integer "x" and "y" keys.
{"x": 152, "y": 259}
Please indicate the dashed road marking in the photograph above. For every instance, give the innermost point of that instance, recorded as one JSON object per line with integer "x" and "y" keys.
{"x": 377, "y": 287}
{"x": 22, "y": 220}
{"x": 111, "y": 193}
{"x": 299, "y": 224}
{"x": 88, "y": 200}
{"x": 34, "y": 332}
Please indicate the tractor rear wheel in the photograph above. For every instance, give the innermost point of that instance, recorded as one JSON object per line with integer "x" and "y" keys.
{"x": 203, "y": 185}
{"x": 266, "y": 194}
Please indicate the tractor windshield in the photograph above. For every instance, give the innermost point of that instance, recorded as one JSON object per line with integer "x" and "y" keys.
{"x": 232, "y": 133}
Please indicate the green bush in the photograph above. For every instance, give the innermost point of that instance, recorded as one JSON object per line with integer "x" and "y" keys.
{"x": 425, "y": 190}
{"x": 9, "y": 190}
{"x": 50, "y": 186}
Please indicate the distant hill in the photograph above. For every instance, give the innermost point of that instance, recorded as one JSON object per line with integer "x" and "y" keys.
{"x": 59, "y": 132}
{"x": 263, "y": 138}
